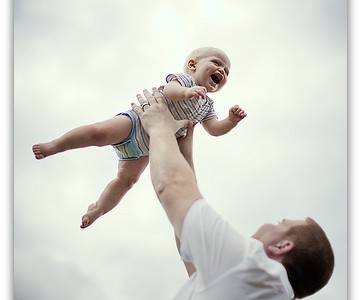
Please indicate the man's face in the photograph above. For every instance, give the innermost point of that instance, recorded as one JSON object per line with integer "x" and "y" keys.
{"x": 272, "y": 234}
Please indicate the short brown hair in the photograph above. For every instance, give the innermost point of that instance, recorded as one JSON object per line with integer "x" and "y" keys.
{"x": 311, "y": 261}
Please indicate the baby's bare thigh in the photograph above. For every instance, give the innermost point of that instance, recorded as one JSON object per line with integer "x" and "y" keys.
{"x": 117, "y": 128}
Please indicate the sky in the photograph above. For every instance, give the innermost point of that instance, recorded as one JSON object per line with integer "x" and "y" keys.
{"x": 79, "y": 62}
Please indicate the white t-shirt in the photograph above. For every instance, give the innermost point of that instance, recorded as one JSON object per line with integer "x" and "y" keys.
{"x": 229, "y": 265}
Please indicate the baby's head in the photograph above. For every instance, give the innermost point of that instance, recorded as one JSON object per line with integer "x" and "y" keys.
{"x": 209, "y": 67}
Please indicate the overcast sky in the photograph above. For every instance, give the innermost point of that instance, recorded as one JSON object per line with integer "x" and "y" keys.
{"x": 78, "y": 62}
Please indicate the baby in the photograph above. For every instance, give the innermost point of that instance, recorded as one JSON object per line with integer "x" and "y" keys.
{"x": 205, "y": 71}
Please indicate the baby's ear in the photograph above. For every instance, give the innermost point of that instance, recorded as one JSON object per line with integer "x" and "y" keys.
{"x": 191, "y": 64}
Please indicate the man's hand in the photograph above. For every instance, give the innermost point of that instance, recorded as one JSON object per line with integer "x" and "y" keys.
{"x": 155, "y": 115}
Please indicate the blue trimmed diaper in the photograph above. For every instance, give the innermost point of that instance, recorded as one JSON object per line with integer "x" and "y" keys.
{"x": 137, "y": 143}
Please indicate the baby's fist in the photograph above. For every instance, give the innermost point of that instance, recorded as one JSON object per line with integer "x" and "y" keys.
{"x": 236, "y": 113}
{"x": 196, "y": 92}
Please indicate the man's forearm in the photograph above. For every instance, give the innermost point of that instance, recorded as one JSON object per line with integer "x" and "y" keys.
{"x": 167, "y": 164}
{"x": 187, "y": 152}
{"x": 189, "y": 158}
{"x": 172, "y": 178}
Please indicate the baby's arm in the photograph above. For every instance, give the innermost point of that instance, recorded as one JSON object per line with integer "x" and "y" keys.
{"x": 174, "y": 91}
{"x": 219, "y": 127}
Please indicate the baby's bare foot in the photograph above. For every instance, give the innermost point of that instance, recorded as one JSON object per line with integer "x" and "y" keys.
{"x": 43, "y": 150}
{"x": 37, "y": 150}
{"x": 92, "y": 214}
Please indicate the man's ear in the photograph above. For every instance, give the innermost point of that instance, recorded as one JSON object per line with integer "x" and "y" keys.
{"x": 281, "y": 248}
{"x": 191, "y": 64}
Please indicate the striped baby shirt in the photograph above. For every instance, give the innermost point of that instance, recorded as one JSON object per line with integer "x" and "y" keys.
{"x": 137, "y": 144}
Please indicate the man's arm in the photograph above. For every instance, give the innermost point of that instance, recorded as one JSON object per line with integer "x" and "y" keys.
{"x": 172, "y": 177}
{"x": 188, "y": 265}
{"x": 185, "y": 144}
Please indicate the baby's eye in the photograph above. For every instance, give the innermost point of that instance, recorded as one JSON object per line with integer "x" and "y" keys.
{"x": 216, "y": 62}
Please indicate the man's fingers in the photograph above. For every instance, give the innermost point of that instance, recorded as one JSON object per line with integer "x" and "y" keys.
{"x": 141, "y": 100}
{"x": 150, "y": 98}
{"x": 157, "y": 95}
{"x": 190, "y": 127}
{"x": 136, "y": 108}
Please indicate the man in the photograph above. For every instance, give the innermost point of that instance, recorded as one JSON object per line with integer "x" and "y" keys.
{"x": 292, "y": 259}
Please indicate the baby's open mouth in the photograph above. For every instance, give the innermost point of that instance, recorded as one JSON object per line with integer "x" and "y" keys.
{"x": 217, "y": 78}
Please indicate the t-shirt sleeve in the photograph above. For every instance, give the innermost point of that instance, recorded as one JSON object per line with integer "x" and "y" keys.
{"x": 210, "y": 243}
{"x": 184, "y": 79}
{"x": 211, "y": 111}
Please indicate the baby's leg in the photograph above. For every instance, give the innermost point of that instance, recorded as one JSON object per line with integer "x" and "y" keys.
{"x": 99, "y": 134}
{"x": 128, "y": 174}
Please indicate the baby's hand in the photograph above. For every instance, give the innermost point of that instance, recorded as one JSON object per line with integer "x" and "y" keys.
{"x": 196, "y": 92}
{"x": 236, "y": 114}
